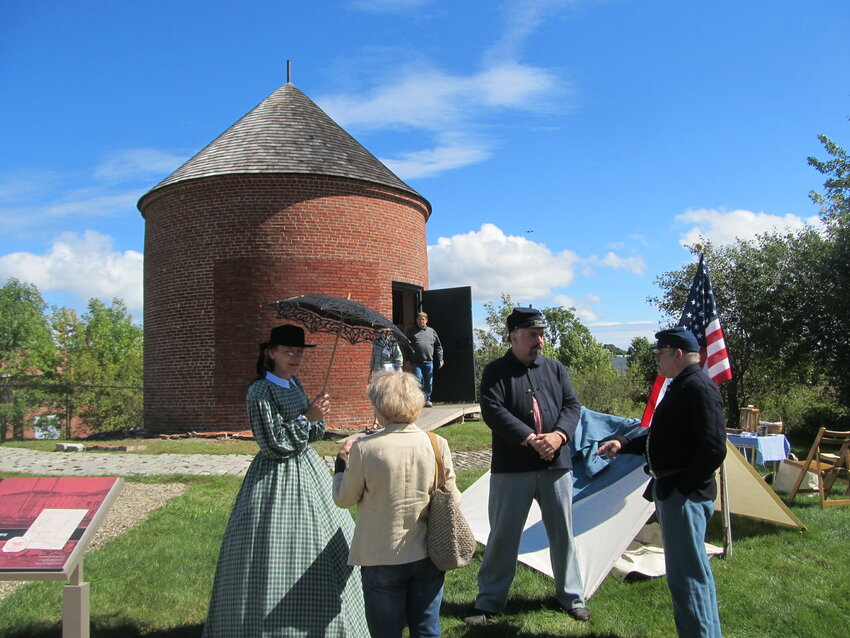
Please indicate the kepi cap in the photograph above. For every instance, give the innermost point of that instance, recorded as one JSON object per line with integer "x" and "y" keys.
{"x": 526, "y": 318}
{"x": 678, "y": 337}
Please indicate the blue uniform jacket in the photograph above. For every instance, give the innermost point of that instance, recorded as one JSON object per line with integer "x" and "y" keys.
{"x": 686, "y": 442}
{"x": 506, "y": 405}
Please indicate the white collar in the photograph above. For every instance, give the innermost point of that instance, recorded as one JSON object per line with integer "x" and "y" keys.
{"x": 283, "y": 383}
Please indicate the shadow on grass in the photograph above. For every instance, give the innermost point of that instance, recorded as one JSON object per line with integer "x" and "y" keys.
{"x": 127, "y": 630}
{"x": 503, "y": 626}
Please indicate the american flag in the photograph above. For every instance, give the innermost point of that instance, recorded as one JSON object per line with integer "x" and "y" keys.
{"x": 700, "y": 317}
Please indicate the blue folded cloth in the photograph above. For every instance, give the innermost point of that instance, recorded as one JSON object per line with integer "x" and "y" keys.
{"x": 592, "y": 473}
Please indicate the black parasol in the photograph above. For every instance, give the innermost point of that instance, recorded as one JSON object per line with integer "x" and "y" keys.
{"x": 348, "y": 319}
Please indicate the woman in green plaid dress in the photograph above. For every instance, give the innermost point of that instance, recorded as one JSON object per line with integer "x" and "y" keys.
{"x": 283, "y": 570}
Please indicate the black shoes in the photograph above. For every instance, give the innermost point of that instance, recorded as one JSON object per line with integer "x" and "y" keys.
{"x": 579, "y": 613}
{"x": 479, "y": 617}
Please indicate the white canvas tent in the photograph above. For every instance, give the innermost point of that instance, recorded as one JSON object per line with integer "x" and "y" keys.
{"x": 606, "y": 521}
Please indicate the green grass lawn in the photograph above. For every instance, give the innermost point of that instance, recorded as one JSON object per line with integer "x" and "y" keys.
{"x": 154, "y": 581}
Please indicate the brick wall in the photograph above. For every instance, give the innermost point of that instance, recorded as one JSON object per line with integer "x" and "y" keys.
{"x": 218, "y": 249}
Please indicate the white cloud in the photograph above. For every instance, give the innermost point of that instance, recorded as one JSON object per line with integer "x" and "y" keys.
{"x": 724, "y": 227}
{"x": 92, "y": 203}
{"x": 137, "y": 164}
{"x": 585, "y": 309}
{"x": 427, "y": 163}
{"x": 523, "y": 17}
{"x": 31, "y": 199}
{"x": 432, "y": 100}
{"x": 621, "y": 334}
{"x": 633, "y": 264}
{"x": 498, "y": 263}
{"x": 494, "y": 263}
{"x": 453, "y": 108}
{"x": 86, "y": 265}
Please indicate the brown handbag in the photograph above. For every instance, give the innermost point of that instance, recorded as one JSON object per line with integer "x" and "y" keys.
{"x": 449, "y": 538}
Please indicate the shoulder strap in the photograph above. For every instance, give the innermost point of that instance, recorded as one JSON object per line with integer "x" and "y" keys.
{"x": 439, "y": 470}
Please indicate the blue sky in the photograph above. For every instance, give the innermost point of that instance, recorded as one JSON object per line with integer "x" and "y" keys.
{"x": 569, "y": 147}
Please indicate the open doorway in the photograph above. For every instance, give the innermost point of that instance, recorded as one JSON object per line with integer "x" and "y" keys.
{"x": 450, "y": 314}
{"x": 406, "y": 300}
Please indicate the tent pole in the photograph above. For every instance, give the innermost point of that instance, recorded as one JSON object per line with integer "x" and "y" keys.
{"x": 724, "y": 510}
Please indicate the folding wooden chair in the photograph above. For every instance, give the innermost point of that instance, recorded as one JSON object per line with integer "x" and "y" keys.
{"x": 828, "y": 458}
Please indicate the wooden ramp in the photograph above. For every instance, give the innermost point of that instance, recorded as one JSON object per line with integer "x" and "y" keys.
{"x": 440, "y": 415}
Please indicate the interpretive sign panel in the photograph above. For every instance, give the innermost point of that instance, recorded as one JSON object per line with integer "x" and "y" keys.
{"x": 46, "y": 523}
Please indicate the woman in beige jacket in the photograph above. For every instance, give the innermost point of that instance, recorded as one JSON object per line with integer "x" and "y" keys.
{"x": 389, "y": 477}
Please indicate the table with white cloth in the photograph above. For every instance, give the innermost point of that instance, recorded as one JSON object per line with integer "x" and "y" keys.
{"x": 762, "y": 449}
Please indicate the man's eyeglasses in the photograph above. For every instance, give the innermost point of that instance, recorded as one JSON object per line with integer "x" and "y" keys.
{"x": 294, "y": 353}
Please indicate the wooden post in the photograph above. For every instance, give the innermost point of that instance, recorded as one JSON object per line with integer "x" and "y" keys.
{"x": 724, "y": 511}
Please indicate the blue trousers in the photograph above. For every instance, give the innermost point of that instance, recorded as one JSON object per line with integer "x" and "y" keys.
{"x": 683, "y": 519}
{"x": 403, "y": 595}
{"x": 511, "y": 495}
{"x": 424, "y": 371}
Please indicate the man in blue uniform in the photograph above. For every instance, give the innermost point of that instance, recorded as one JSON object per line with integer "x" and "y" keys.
{"x": 530, "y": 406}
{"x": 684, "y": 446}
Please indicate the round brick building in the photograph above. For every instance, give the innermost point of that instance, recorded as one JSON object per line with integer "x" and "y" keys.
{"x": 283, "y": 203}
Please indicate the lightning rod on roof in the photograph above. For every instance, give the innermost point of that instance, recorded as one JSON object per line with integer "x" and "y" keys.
{"x": 289, "y": 71}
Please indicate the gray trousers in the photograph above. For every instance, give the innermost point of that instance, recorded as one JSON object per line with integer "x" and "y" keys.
{"x": 511, "y": 495}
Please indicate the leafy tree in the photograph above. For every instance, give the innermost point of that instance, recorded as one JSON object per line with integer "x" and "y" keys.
{"x": 829, "y": 301}
{"x": 571, "y": 342}
{"x": 836, "y": 201}
{"x": 642, "y": 368}
{"x": 784, "y": 301}
{"x": 491, "y": 342}
{"x": 599, "y": 386}
{"x": 67, "y": 330}
{"x": 614, "y": 350}
{"x": 760, "y": 286}
{"x": 90, "y": 367}
{"x": 104, "y": 363}
{"x": 25, "y": 350}
{"x": 25, "y": 343}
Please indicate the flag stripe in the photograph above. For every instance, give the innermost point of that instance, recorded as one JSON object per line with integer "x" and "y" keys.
{"x": 659, "y": 387}
{"x": 701, "y": 318}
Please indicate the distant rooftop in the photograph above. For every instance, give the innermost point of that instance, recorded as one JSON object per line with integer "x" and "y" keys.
{"x": 286, "y": 133}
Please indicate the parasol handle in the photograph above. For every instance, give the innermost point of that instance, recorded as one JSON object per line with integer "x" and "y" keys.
{"x": 333, "y": 354}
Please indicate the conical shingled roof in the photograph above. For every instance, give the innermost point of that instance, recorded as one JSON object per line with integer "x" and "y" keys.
{"x": 286, "y": 133}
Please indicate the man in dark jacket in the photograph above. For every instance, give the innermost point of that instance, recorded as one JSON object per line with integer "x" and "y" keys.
{"x": 684, "y": 446}
{"x": 530, "y": 406}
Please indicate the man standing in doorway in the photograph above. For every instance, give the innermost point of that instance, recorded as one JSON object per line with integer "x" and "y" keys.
{"x": 427, "y": 352}
{"x": 528, "y": 402}
{"x": 684, "y": 446}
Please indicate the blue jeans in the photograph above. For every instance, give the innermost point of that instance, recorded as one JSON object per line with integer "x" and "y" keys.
{"x": 424, "y": 371}
{"x": 398, "y": 595}
{"x": 683, "y": 520}
{"x": 511, "y": 495}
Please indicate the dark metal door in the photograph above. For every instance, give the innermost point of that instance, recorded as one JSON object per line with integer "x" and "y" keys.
{"x": 450, "y": 314}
